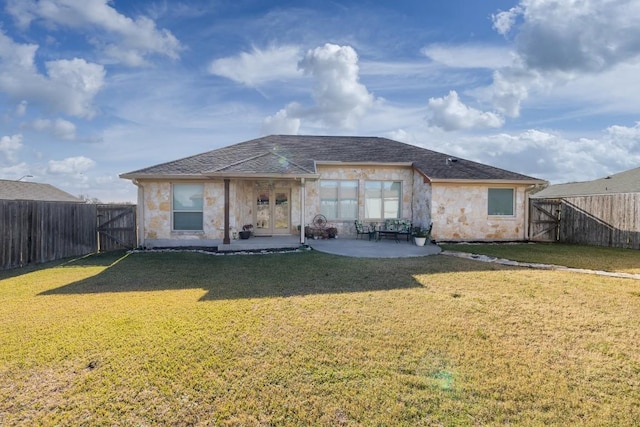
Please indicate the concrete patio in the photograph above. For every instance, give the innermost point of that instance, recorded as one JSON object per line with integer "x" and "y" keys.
{"x": 349, "y": 246}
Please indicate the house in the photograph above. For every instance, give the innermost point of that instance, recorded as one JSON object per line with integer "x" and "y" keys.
{"x": 604, "y": 212}
{"x": 279, "y": 182}
{"x": 623, "y": 182}
{"x": 23, "y": 190}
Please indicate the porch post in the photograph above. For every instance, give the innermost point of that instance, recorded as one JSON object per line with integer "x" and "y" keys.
{"x": 226, "y": 239}
{"x": 303, "y": 196}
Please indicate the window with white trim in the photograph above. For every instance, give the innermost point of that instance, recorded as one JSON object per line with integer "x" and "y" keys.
{"x": 382, "y": 199}
{"x": 500, "y": 201}
{"x": 187, "y": 207}
{"x": 339, "y": 199}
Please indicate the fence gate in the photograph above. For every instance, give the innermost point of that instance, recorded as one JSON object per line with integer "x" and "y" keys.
{"x": 544, "y": 220}
{"x": 116, "y": 227}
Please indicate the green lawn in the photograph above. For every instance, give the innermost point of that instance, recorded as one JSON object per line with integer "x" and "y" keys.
{"x": 576, "y": 256}
{"x": 313, "y": 339}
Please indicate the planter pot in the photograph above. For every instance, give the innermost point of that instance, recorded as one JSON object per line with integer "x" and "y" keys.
{"x": 420, "y": 241}
{"x": 244, "y": 234}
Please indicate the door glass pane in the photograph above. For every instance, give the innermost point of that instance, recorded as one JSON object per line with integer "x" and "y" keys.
{"x": 281, "y": 211}
{"x": 262, "y": 210}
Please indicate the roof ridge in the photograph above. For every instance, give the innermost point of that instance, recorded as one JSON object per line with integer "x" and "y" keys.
{"x": 266, "y": 153}
{"x": 237, "y": 163}
{"x": 292, "y": 162}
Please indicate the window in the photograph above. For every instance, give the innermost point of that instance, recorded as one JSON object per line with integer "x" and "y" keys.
{"x": 187, "y": 207}
{"x": 382, "y": 199}
{"x": 339, "y": 199}
{"x": 500, "y": 201}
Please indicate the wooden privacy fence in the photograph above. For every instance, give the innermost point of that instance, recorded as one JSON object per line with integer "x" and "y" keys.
{"x": 601, "y": 220}
{"x": 36, "y": 231}
{"x": 116, "y": 227}
{"x": 544, "y": 219}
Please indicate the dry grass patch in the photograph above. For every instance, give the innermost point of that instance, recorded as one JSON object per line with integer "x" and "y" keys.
{"x": 576, "y": 256}
{"x": 314, "y": 339}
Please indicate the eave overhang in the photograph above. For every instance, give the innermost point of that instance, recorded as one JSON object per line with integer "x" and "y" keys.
{"x": 216, "y": 175}
{"x": 486, "y": 181}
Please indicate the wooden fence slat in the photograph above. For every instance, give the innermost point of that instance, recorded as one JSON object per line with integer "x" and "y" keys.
{"x": 601, "y": 220}
{"x": 37, "y": 231}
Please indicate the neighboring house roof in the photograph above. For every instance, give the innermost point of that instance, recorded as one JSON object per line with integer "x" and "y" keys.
{"x": 299, "y": 155}
{"x": 623, "y": 182}
{"x": 21, "y": 190}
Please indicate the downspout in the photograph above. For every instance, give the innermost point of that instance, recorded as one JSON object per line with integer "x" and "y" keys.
{"x": 303, "y": 196}
{"x": 140, "y": 224}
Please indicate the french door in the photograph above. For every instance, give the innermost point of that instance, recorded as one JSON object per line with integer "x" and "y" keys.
{"x": 272, "y": 211}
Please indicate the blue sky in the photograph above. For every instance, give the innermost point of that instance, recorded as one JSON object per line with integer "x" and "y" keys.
{"x": 90, "y": 89}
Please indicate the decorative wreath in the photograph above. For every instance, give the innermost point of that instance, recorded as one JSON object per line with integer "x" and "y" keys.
{"x": 319, "y": 221}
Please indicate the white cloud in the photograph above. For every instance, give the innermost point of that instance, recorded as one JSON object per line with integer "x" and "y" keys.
{"x": 68, "y": 87}
{"x": 16, "y": 55}
{"x": 626, "y": 138}
{"x": 60, "y": 128}
{"x": 396, "y": 69}
{"x": 574, "y": 36}
{"x": 611, "y": 91}
{"x": 10, "y": 145}
{"x": 511, "y": 87}
{"x": 505, "y": 20}
{"x": 81, "y": 80}
{"x": 70, "y": 166}
{"x": 560, "y": 42}
{"x": 259, "y": 66}
{"x": 554, "y": 45}
{"x": 449, "y": 113}
{"x": 553, "y": 156}
{"x": 341, "y": 100}
{"x": 469, "y": 56}
{"x": 123, "y": 39}
{"x": 21, "y": 108}
{"x": 280, "y": 124}
{"x": 14, "y": 172}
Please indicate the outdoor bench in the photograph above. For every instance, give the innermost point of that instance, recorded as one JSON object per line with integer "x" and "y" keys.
{"x": 396, "y": 228}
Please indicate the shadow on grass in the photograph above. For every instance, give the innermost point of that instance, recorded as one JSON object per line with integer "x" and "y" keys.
{"x": 104, "y": 260}
{"x": 257, "y": 276}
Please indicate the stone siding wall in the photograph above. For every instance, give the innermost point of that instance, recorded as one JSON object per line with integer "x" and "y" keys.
{"x": 459, "y": 213}
{"x": 361, "y": 174}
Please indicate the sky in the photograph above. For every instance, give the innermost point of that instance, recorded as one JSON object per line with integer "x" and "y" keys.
{"x": 90, "y": 89}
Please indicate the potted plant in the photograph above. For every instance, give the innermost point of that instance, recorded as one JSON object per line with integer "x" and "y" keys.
{"x": 247, "y": 229}
{"x": 421, "y": 236}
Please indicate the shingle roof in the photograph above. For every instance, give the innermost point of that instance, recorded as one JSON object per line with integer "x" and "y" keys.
{"x": 270, "y": 163}
{"x": 623, "y": 182}
{"x": 302, "y": 153}
{"x": 21, "y": 190}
